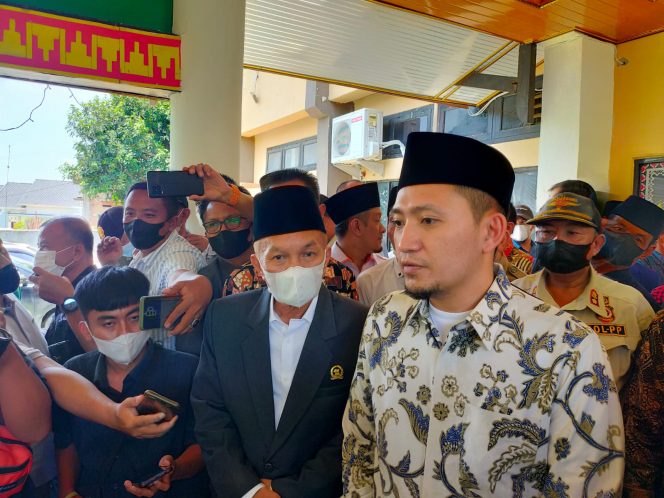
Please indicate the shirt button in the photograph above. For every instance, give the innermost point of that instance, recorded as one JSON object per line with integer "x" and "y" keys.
{"x": 269, "y": 467}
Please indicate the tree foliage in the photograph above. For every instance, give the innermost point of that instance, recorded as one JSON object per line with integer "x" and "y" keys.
{"x": 118, "y": 139}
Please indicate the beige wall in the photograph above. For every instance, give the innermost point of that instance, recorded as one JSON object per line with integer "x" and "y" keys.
{"x": 521, "y": 153}
{"x": 343, "y": 94}
{"x": 280, "y": 101}
{"x": 279, "y": 117}
{"x": 304, "y": 128}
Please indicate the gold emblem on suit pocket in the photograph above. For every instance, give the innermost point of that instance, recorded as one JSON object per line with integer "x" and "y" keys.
{"x": 336, "y": 372}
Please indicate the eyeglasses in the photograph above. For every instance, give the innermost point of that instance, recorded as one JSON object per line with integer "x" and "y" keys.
{"x": 213, "y": 227}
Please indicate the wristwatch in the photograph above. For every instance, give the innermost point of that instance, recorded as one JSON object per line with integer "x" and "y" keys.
{"x": 69, "y": 305}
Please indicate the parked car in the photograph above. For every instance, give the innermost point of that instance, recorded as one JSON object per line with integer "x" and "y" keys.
{"x": 23, "y": 257}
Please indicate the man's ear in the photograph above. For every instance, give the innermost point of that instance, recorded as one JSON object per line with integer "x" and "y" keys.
{"x": 84, "y": 329}
{"x": 596, "y": 246}
{"x": 257, "y": 266}
{"x": 323, "y": 209}
{"x": 494, "y": 230}
{"x": 354, "y": 226}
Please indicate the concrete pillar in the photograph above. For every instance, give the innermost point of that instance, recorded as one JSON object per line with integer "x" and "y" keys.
{"x": 206, "y": 115}
{"x": 577, "y": 112}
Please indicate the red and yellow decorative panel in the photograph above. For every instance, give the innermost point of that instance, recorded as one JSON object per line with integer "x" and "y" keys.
{"x": 64, "y": 46}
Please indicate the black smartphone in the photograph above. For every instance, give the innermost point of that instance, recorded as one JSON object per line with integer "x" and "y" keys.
{"x": 151, "y": 480}
{"x": 174, "y": 184}
{"x": 156, "y": 403}
{"x": 154, "y": 310}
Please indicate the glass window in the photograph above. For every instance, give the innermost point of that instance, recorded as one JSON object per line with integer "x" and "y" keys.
{"x": 273, "y": 161}
{"x": 309, "y": 156}
{"x": 292, "y": 157}
{"x": 525, "y": 187}
{"x": 300, "y": 154}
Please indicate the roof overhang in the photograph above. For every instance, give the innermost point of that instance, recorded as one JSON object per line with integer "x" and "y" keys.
{"x": 371, "y": 46}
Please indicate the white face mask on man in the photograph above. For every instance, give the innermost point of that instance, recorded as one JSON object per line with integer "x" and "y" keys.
{"x": 45, "y": 260}
{"x": 521, "y": 232}
{"x": 297, "y": 285}
{"x": 123, "y": 349}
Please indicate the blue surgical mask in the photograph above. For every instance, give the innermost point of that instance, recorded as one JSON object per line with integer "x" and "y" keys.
{"x": 128, "y": 250}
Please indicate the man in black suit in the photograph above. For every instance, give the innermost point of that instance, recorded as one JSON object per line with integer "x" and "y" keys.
{"x": 276, "y": 364}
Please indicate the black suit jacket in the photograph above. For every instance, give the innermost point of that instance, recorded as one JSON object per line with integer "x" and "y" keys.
{"x": 234, "y": 407}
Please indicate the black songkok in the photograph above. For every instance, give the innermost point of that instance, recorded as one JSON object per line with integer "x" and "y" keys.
{"x": 455, "y": 160}
{"x": 642, "y": 213}
{"x": 353, "y": 201}
{"x": 287, "y": 209}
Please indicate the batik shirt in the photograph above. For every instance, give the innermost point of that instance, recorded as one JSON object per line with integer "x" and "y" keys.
{"x": 643, "y": 407}
{"x": 337, "y": 278}
{"x": 518, "y": 401}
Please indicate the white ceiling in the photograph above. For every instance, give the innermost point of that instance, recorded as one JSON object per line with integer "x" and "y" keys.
{"x": 369, "y": 45}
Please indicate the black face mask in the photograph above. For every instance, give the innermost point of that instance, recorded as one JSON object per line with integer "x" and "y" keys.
{"x": 559, "y": 256}
{"x": 619, "y": 249}
{"x": 143, "y": 235}
{"x": 229, "y": 244}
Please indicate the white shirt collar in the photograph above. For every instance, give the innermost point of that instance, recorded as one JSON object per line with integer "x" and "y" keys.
{"x": 307, "y": 317}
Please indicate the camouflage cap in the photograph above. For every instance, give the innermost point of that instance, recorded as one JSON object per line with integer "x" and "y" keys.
{"x": 569, "y": 207}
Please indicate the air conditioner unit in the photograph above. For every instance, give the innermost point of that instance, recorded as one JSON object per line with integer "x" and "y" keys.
{"x": 357, "y": 137}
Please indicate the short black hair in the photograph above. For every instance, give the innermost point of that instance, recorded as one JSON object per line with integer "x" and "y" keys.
{"x": 341, "y": 229}
{"x": 578, "y": 187}
{"x": 288, "y": 175}
{"x": 511, "y": 214}
{"x": 172, "y": 204}
{"x": 201, "y": 206}
{"x": 111, "y": 288}
{"x": 76, "y": 228}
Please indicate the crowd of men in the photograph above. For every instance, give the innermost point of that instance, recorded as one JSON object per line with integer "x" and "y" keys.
{"x": 496, "y": 352}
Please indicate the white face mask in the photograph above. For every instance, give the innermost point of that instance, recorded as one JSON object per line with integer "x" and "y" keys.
{"x": 295, "y": 286}
{"x": 521, "y": 232}
{"x": 123, "y": 349}
{"x": 46, "y": 260}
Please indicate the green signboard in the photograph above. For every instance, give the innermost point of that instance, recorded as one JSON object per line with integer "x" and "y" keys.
{"x": 150, "y": 15}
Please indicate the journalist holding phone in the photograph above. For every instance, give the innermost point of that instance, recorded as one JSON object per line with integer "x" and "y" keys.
{"x": 94, "y": 460}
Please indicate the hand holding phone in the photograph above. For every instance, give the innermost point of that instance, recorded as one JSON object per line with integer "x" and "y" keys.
{"x": 156, "y": 403}
{"x": 173, "y": 184}
{"x": 161, "y": 481}
{"x": 153, "y": 311}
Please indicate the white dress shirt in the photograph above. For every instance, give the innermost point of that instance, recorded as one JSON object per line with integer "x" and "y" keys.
{"x": 373, "y": 259}
{"x": 286, "y": 343}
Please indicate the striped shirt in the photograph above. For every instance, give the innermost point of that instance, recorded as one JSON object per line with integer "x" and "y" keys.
{"x": 173, "y": 255}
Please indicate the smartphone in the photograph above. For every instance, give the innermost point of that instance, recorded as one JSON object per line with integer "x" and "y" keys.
{"x": 173, "y": 184}
{"x": 154, "y": 310}
{"x": 151, "y": 480}
{"x": 156, "y": 403}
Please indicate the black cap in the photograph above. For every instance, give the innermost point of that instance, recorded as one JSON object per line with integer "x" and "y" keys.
{"x": 352, "y": 201}
{"x": 110, "y": 223}
{"x": 642, "y": 213}
{"x": 287, "y": 209}
{"x": 570, "y": 207}
{"x": 455, "y": 160}
{"x": 524, "y": 211}
{"x": 609, "y": 207}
